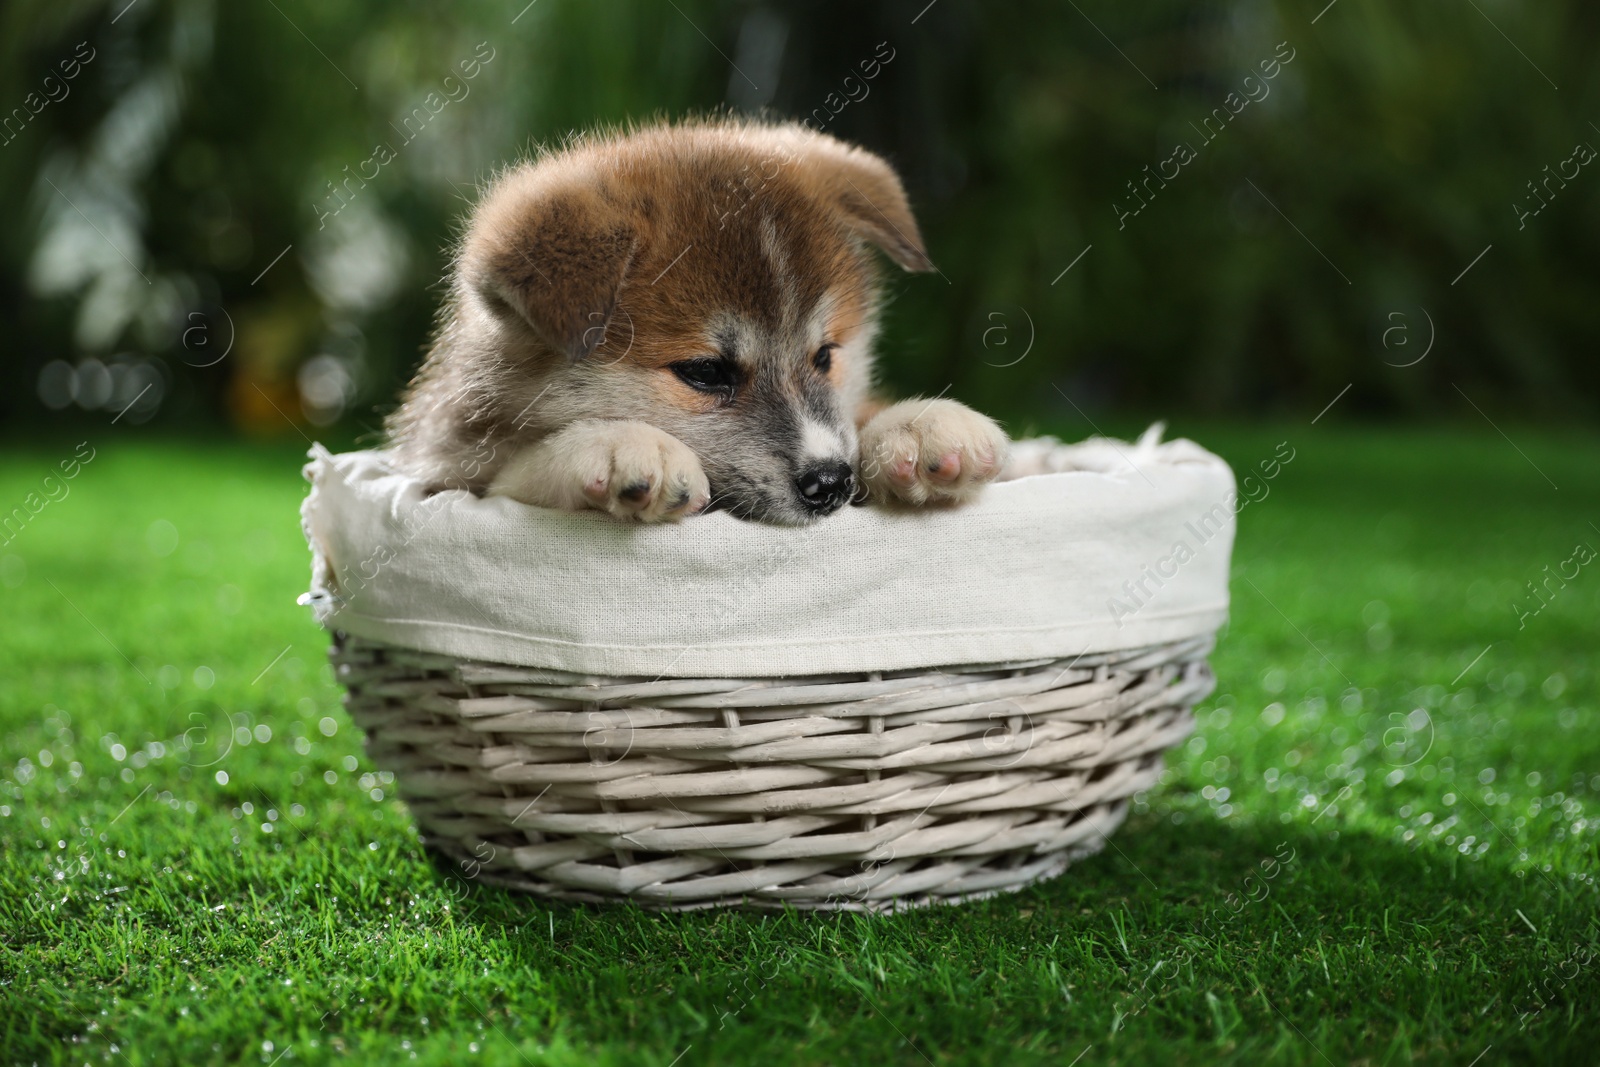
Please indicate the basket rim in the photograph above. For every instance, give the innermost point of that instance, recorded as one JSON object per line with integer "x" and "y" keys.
{"x": 1043, "y": 566}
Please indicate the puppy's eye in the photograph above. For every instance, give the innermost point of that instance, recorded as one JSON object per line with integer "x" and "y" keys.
{"x": 824, "y": 358}
{"x": 706, "y": 374}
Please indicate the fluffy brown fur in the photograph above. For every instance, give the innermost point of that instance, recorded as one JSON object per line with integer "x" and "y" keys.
{"x": 653, "y": 321}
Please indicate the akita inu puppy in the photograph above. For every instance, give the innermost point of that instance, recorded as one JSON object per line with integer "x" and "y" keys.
{"x": 655, "y": 322}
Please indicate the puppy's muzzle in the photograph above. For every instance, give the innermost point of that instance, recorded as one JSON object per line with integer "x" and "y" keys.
{"x": 825, "y": 487}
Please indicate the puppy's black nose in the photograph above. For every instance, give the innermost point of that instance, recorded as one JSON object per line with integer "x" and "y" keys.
{"x": 825, "y": 487}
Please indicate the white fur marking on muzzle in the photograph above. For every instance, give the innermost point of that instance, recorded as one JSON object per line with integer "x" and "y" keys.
{"x": 820, "y": 442}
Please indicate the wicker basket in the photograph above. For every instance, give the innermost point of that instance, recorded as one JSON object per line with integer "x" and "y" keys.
{"x": 707, "y": 785}
{"x": 862, "y": 792}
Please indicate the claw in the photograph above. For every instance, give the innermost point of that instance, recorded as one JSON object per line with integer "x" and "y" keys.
{"x": 595, "y": 489}
{"x": 947, "y": 468}
{"x": 635, "y": 492}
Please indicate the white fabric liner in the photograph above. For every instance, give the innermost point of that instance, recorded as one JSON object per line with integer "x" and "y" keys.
{"x": 1035, "y": 569}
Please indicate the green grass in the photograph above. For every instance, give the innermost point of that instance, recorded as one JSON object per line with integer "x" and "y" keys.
{"x": 1426, "y": 878}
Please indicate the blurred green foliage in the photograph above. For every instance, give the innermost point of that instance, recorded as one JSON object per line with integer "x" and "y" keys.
{"x": 1313, "y": 236}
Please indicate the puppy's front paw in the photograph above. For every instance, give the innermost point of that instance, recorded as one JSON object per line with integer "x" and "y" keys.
{"x": 629, "y": 469}
{"x": 930, "y": 452}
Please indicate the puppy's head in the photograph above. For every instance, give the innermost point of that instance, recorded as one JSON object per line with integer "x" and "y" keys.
{"x": 715, "y": 280}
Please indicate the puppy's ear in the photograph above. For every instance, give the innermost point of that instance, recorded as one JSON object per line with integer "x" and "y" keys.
{"x": 555, "y": 255}
{"x": 871, "y": 199}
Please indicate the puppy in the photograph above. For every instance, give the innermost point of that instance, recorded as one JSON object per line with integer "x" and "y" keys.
{"x": 655, "y": 322}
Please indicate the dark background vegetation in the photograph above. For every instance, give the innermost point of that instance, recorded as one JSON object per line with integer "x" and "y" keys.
{"x": 1311, "y": 246}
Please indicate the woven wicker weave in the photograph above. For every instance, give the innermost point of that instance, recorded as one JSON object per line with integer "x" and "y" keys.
{"x": 865, "y": 792}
